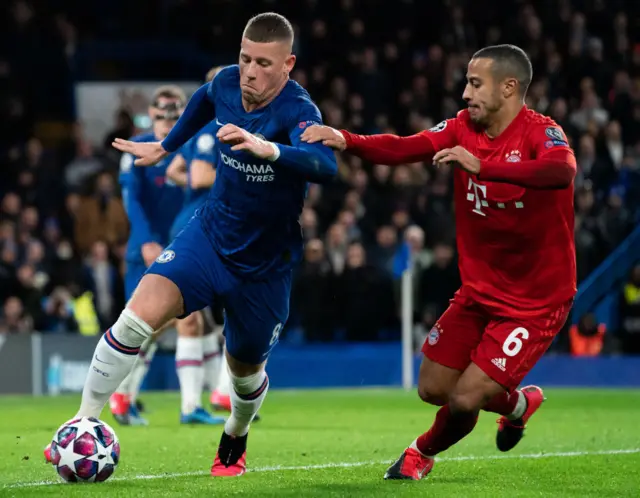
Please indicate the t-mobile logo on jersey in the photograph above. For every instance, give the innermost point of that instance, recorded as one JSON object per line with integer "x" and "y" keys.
{"x": 254, "y": 172}
{"x": 478, "y": 194}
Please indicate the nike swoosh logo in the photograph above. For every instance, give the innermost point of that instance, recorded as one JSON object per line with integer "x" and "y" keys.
{"x": 98, "y": 359}
{"x": 219, "y": 123}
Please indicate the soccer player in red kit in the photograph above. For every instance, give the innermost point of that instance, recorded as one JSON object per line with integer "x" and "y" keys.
{"x": 514, "y": 215}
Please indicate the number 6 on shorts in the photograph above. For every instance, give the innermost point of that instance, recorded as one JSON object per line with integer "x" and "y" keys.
{"x": 513, "y": 343}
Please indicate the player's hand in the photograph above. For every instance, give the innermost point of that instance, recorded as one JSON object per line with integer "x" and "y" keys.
{"x": 465, "y": 159}
{"x": 148, "y": 153}
{"x": 248, "y": 142}
{"x": 150, "y": 251}
{"x": 325, "y": 134}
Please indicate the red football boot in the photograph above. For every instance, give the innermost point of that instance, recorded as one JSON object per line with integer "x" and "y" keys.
{"x": 47, "y": 453}
{"x": 510, "y": 432}
{"x": 119, "y": 406}
{"x": 412, "y": 465}
{"x": 220, "y": 402}
{"x": 231, "y": 458}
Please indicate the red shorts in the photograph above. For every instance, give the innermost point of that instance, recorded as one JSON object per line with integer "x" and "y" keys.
{"x": 505, "y": 349}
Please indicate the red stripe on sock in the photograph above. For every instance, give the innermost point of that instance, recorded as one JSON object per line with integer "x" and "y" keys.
{"x": 188, "y": 363}
{"x": 209, "y": 356}
{"x": 257, "y": 393}
{"x": 118, "y": 346}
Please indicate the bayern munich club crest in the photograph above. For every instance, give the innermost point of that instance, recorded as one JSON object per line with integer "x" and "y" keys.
{"x": 433, "y": 336}
{"x": 513, "y": 157}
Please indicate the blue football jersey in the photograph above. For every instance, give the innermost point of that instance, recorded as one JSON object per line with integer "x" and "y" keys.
{"x": 201, "y": 147}
{"x": 251, "y": 215}
{"x": 151, "y": 201}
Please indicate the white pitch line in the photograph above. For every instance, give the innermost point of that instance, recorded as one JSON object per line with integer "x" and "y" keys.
{"x": 346, "y": 465}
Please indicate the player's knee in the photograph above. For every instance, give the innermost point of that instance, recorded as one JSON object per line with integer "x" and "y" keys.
{"x": 432, "y": 394}
{"x": 156, "y": 300}
{"x": 190, "y": 326}
{"x": 245, "y": 378}
{"x": 241, "y": 369}
{"x": 130, "y": 329}
{"x": 257, "y": 382}
{"x": 465, "y": 402}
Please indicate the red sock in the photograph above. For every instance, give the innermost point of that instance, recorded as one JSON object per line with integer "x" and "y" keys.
{"x": 447, "y": 430}
{"x": 503, "y": 403}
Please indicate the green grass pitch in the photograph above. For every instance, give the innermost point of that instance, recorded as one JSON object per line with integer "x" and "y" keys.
{"x": 339, "y": 443}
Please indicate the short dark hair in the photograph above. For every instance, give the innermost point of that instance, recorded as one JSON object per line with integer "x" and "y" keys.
{"x": 268, "y": 27}
{"x": 509, "y": 61}
{"x": 169, "y": 92}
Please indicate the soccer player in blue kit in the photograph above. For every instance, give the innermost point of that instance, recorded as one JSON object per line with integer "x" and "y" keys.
{"x": 242, "y": 245}
{"x": 152, "y": 204}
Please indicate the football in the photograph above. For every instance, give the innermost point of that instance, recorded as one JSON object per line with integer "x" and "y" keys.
{"x": 85, "y": 450}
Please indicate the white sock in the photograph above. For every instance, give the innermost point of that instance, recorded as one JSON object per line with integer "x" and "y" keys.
{"x": 141, "y": 367}
{"x": 224, "y": 381}
{"x": 190, "y": 372}
{"x": 520, "y": 408}
{"x": 112, "y": 361}
{"x": 131, "y": 383}
{"x": 123, "y": 388}
{"x": 414, "y": 445}
{"x": 211, "y": 360}
{"x": 247, "y": 396}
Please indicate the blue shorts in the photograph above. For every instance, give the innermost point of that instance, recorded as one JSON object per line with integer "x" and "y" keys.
{"x": 255, "y": 310}
{"x": 132, "y": 276}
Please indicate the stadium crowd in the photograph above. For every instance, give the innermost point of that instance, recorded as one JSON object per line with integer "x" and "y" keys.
{"x": 372, "y": 68}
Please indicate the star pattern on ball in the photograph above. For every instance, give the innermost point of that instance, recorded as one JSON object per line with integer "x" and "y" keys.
{"x": 69, "y": 457}
{"x": 103, "y": 459}
{"x": 84, "y": 425}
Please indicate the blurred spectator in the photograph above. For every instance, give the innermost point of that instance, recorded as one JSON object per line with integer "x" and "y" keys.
{"x": 309, "y": 224}
{"x": 383, "y": 253}
{"x": 313, "y": 293}
{"x": 588, "y": 236}
{"x": 614, "y": 221}
{"x": 14, "y": 320}
{"x": 588, "y": 337}
{"x": 83, "y": 167}
{"x": 439, "y": 281}
{"x": 123, "y": 128}
{"x": 360, "y": 286}
{"x": 103, "y": 281}
{"x": 630, "y": 314}
{"x": 58, "y": 312}
{"x": 100, "y": 216}
{"x": 336, "y": 247}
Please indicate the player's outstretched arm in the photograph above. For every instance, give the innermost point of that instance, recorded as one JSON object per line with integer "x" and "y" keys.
{"x": 199, "y": 112}
{"x": 382, "y": 149}
{"x": 554, "y": 166}
{"x": 315, "y": 162}
{"x": 553, "y": 171}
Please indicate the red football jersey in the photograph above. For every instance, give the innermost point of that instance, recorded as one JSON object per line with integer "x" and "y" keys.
{"x": 516, "y": 245}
